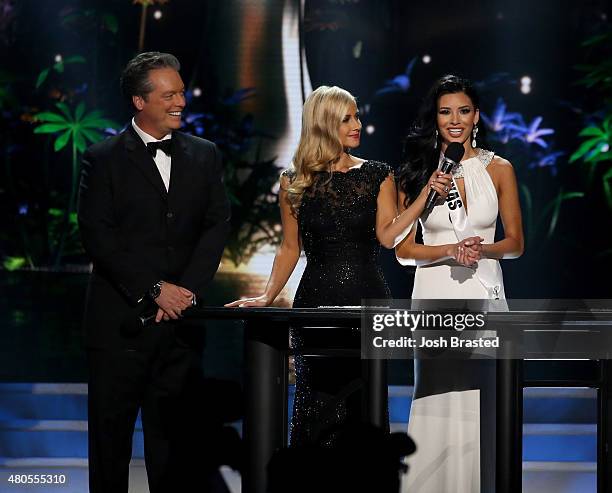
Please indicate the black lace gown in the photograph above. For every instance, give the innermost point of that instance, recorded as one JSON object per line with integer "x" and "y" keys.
{"x": 337, "y": 218}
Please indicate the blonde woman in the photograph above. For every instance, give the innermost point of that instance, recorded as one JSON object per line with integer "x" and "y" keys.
{"x": 340, "y": 209}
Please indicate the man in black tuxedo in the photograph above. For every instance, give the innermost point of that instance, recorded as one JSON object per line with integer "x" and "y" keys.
{"x": 154, "y": 217}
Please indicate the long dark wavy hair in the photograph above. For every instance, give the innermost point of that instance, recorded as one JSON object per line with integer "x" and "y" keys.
{"x": 421, "y": 150}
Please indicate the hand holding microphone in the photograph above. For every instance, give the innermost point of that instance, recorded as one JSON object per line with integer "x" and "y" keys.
{"x": 452, "y": 157}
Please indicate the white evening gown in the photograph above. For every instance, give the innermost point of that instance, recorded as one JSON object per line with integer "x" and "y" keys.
{"x": 452, "y": 417}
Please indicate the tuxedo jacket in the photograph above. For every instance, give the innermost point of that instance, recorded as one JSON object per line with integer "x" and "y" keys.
{"x": 136, "y": 233}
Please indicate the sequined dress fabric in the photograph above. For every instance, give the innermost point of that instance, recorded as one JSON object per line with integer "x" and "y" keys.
{"x": 337, "y": 219}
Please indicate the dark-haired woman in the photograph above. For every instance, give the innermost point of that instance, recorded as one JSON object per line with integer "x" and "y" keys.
{"x": 452, "y": 418}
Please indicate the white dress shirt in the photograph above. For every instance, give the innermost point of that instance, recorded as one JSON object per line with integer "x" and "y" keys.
{"x": 162, "y": 160}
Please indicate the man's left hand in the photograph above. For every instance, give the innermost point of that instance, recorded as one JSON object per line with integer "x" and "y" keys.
{"x": 165, "y": 316}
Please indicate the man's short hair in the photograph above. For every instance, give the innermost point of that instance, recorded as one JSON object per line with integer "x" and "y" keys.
{"x": 135, "y": 77}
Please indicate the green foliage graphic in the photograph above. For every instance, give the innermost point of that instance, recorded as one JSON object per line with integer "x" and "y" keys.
{"x": 77, "y": 130}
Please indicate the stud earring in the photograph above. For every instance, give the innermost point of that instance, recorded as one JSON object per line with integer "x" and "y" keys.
{"x": 474, "y": 133}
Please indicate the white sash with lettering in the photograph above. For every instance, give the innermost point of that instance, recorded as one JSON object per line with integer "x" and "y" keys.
{"x": 487, "y": 276}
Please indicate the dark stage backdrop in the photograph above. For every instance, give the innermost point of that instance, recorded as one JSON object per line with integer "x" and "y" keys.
{"x": 248, "y": 65}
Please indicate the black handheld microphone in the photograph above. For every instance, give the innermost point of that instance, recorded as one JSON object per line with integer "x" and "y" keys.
{"x": 452, "y": 156}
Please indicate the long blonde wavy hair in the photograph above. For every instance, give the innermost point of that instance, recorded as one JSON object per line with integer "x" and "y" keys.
{"x": 320, "y": 146}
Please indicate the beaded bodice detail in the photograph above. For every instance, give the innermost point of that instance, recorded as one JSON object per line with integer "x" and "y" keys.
{"x": 337, "y": 227}
{"x": 337, "y": 214}
{"x": 484, "y": 156}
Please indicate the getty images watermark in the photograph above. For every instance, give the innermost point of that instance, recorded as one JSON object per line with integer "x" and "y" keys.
{"x": 389, "y": 324}
{"x": 429, "y": 331}
{"x": 499, "y": 329}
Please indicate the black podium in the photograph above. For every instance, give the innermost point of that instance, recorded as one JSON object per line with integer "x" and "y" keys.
{"x": 266, "y": 351}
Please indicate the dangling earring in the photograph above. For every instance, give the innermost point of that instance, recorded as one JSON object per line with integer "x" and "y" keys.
{"x": 436, "y": 139}
{"x": 474, "y": 133}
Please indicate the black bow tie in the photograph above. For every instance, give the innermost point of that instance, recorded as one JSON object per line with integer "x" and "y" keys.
{"x": 164, "y": 145}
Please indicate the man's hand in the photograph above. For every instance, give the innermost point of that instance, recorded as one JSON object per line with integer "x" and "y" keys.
{"x": 172, "y": 301}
